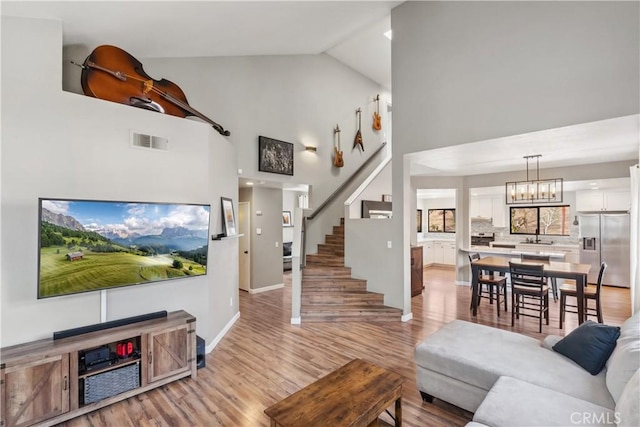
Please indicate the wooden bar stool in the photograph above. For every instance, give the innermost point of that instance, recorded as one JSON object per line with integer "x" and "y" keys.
{"x": 591, "y": 292}
{"x": 493, "y": 283}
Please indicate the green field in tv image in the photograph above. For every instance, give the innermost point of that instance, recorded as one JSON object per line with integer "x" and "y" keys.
{"x": 88, "y": 246}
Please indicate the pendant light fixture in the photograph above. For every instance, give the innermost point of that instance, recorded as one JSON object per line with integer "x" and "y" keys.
{"x": 534, "y": 190}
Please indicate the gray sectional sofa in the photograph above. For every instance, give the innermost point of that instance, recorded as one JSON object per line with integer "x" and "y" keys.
{"x": 508, "y": 379}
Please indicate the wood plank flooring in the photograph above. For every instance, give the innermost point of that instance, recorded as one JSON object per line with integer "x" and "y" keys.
{"x": 263, "y": 358}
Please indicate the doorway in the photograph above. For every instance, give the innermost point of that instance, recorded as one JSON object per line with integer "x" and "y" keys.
{"x": 244, "y": 225}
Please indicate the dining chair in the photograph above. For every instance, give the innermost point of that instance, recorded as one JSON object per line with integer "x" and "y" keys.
{"x": 591, "y": 292}
{"x": 494, "y": 284}
{"x": 546, "y": 259}
{"x": 529, "y": 292}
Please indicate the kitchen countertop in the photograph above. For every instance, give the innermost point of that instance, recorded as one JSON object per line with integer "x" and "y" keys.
{"x": 434, "y": 239}
{"x": 542, "y": 247}
{"x": 514, "y": 252}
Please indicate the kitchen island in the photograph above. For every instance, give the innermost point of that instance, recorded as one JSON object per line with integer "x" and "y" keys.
{"x": 556, "y": 251}
{"x": 555, "y": 255}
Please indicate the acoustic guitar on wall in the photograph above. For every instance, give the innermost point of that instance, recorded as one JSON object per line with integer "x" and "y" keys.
{"x": 357, "y": 141}
{"x": 377, "y": 125}
{"x": 338, "y": 161}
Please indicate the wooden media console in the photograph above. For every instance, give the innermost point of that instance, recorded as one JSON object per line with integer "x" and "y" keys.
{"x": 48, "y": 381}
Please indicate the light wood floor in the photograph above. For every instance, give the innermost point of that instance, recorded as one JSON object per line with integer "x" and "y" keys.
{"x": 263, "y": 358}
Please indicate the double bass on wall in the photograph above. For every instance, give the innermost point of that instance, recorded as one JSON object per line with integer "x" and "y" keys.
{"x": 112, "y": 74}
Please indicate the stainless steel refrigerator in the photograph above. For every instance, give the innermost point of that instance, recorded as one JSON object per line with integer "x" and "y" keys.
{"x": 604, "y": 237}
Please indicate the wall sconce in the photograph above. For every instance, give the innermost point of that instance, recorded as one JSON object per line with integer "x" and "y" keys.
{"x": 310, "y": 148}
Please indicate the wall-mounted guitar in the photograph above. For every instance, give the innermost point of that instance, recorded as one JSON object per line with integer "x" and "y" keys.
{"x": 337, "y": 156}
{"x": 112, "y": 74}
{"x": 377, "y": 125}
{"x": 357, "y": 141}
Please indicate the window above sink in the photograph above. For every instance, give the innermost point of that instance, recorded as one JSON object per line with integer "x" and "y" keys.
{"x": 540, "y": 220}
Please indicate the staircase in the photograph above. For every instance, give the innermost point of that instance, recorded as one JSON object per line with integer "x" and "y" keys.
{"x": 330, "y": 294}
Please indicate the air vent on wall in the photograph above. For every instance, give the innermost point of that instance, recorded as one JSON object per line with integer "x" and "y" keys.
{"x": 141, "y": 140}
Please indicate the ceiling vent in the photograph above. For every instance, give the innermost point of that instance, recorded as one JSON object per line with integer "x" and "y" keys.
{"x": 142, "y": 140}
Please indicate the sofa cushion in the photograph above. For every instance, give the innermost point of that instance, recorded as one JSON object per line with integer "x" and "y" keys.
{"x": 589, "y": 345}
{"x": 628, "y": 406}
{"x": 512, "y": 402}
{"x": 479, "y": 355}
{"x": 625, "y": 359}
{"x": 550, "y": 340}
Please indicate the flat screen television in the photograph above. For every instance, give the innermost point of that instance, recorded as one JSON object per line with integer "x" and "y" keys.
{"x": 89, "y": 245}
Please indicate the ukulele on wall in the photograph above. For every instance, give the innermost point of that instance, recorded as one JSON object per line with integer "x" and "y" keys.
{"x": 338, "y": 161}
{"x": 358, "y": 139}
{"x": 376, "y": 115}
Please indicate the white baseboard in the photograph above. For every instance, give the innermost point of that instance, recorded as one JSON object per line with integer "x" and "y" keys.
{"x": 296, "y": 320}
{"x": 406, "y": 317}
{"x": 216, "y": 340}
{"x": 266, "y": 288}
{"x": 463, "y": 283}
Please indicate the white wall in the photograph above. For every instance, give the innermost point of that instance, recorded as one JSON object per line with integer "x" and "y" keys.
{"x": 59, "y": 144}
{"x": 289, "y": 203}
{"x": 295, "y": 98}
{"x": 470, "y": 71}
{"x": 380, "y": 185}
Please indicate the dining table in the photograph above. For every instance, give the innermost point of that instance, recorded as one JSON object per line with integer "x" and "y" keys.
{"x": 552, "y": 269}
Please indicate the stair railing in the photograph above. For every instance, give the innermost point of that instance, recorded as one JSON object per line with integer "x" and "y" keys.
{"x": 331, "y": 198}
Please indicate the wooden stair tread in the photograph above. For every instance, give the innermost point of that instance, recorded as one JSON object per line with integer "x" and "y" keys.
{"x": 330, "y": 294}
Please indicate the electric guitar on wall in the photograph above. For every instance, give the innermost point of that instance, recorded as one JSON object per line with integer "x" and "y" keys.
{"x": 377, "y": 125}
{"x": 358, "y": 139}
{"x": 337, "y": 157}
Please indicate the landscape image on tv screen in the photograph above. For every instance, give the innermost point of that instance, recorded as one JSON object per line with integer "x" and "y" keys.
{"x": 87, "y": 245}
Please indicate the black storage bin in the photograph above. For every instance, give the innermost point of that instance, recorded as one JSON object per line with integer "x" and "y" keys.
{"x": 200, "y": 353}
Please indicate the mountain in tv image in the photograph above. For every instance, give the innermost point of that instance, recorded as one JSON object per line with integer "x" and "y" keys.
{"x": 90, "y": 245}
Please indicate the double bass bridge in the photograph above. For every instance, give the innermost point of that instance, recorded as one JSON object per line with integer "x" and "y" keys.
{"x": 147, "y": 104}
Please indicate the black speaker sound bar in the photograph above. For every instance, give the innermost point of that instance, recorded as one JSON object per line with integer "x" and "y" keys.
{"x": 106, "y": 325}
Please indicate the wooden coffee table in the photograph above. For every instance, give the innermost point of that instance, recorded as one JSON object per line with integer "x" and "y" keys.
{"x": 354, "y": 395}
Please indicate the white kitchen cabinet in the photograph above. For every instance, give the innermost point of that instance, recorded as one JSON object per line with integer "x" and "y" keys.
{"x": 481, "y": 207}
{"x": 427, "y": 253}
{"x": 441, "y": 252}
{"x": 499, "y": 212}
{"x": 449, "y": 253}
{"x": 438, "y": 252}
{"x": 492, "y": 208}
{"x": 572, "y": 255}
{"x": 599, "y": 200}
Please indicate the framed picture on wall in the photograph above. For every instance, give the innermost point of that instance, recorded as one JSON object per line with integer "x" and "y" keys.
{"x": 419, "y": 220}
{"x": 228, "y": 217}
{"x": 286, "y": 219}
{"x": 275, "y": 156}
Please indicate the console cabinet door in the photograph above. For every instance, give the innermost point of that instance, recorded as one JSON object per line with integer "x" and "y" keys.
{"x": 35, "y": 391}
{"x": 169, "y": 352}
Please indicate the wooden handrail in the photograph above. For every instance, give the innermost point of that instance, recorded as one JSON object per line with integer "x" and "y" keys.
{"x": 303, "y": 250}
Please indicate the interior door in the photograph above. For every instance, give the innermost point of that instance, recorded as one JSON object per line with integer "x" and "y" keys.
{"x": 244, "y": 223}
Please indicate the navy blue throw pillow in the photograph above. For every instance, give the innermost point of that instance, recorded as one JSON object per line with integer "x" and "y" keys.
{"x": 589, "y": 345}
